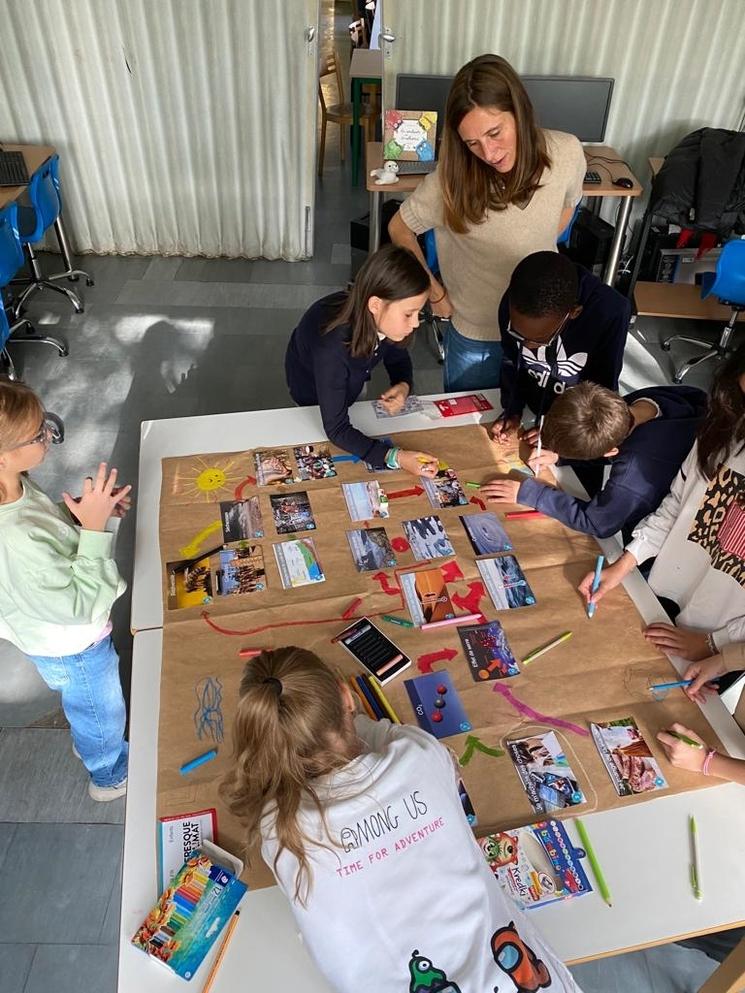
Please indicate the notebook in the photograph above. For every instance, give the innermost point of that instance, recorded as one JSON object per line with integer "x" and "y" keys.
{"x": 409, "y": 138}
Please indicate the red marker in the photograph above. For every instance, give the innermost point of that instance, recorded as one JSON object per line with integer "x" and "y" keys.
{"x": 519, "y": 515}
{"x": 249, "y": 653}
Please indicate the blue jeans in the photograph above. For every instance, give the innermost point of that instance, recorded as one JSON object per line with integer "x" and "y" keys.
{"x": 470, "y": 364}
{"x": 93, "y": 704}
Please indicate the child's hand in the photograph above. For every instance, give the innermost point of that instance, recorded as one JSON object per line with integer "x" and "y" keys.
{"x": 418, "y": 463}
{"x": 703, "y": 673}
{"x": 687, "y": 644}
{"x": 124, "y": 507}
{"x": 529, "y": 436}
{"x": 546, "y": 458}
{"x": 500, "y": 491}
{"x": 609, "y": 578}
{"x": 504, "y": 427}
{"x": 99, "y": 500}
{"x": 679, "y": 753}
{"x": 394, "y": 397}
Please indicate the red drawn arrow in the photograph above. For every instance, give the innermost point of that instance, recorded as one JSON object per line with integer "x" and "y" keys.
{"x": 386, "y": 587}
{"x": 478, "y": 502}
{"x": 414, "y": 491}
{"x": 400, "y": 545}
{"x": 450, "y": 572}
{"x": 248, "y": 481}
{"x": 471, "y": 602}
{"x": 424, "y": 662}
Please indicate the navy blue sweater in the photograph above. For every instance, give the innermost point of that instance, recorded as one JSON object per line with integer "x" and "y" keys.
{"x": 320, "y": 370}
{"x": 641, "y": 474}
{"x": 589, "y": 349}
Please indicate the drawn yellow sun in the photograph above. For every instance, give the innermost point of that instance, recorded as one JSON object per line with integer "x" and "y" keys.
{"x": 210, "y": 481}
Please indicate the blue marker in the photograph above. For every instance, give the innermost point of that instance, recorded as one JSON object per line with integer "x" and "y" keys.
{"x": 199, "y": 760}
{"x": 671, "y": 686}
{"x": 596, "y": 583}
{"x": 345, "y": 458}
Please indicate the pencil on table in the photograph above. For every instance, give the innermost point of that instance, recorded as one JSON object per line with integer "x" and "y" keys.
{"x": 363, "y": 700}
{"x": 221, "y": 954}
{"x": 383, "y": 700}
{"x": 377, "y": 710}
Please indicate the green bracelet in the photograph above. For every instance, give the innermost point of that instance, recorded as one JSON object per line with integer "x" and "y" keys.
{"x": 391, "y": 458}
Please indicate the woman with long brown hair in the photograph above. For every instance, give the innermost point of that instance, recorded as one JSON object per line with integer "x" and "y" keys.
{"x": 341, "y": 339}
{"x": 503, "y": 188}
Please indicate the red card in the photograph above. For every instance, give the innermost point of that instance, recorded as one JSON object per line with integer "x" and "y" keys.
{"x": 470, "y": 404}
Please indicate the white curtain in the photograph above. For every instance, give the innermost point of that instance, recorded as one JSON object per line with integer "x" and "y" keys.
{"x": 184, "y": 127}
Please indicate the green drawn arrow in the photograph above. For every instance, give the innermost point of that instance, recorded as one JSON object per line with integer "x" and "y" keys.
{"x": 474, "y": 744}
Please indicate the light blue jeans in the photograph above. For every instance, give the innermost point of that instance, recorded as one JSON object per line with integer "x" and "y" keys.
{"x": 93, "y": 704}
{"x": 470, "y": 364}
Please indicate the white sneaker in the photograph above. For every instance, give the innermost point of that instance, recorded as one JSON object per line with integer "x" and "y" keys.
{"x": 75, "y": 752}
{"x": 105, "y": 793}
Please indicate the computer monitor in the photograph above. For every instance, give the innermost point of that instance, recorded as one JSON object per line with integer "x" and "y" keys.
{"x": 577, "y": 104}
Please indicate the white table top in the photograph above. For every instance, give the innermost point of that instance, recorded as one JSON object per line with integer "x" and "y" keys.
{"x": 367, "y": 63}
{"x": 644, "y": 848}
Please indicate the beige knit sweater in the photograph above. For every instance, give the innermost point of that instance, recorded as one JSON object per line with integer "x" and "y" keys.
{"x": 476, "y": 266}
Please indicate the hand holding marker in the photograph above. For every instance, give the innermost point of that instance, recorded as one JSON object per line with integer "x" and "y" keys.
{"x": 595, "y": 584}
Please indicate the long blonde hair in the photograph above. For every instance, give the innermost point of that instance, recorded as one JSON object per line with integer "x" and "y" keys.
{"x": 471, "y": 187}
{"x": 290, "y": 714}
{"x": 20, "y": 411}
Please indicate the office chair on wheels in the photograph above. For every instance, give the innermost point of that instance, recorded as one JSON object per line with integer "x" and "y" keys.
{"x": 727, "y": 283}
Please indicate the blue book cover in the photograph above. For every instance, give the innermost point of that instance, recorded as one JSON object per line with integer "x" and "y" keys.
{"x": 190, "y": 914}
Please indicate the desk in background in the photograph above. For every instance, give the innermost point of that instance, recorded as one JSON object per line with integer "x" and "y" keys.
{"x": 596, "y": 156}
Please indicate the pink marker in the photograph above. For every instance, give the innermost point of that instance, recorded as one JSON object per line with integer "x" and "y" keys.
{"x": 462, "y": 619}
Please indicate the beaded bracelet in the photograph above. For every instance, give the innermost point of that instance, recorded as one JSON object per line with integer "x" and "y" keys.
{"x": 707, "y": 761}
{"x": 710, "y": 644}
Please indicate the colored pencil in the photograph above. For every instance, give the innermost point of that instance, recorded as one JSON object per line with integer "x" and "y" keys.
{"x": 363, "y": 699}
{"x": 401, "y": 621}
{"x": 462, "y": 619}
{"x": 696, "y": 861}
{"x": 596, "y": 583}
{"x": 685, "y": 739}
{"x": 546, "y": 648}
{"x": 521, "y": 515}
{"x": 221, "y": 954}
{"x": 382, "y": 699}
{"x": 671, "y": 686}
{"x": 374, "y": 705}
{"x": 593, "y": 860}
{"x": 249, "y": 653}
{"x": 199, "y": 760}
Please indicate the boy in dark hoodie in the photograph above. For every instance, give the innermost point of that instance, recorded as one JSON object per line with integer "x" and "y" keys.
{"x": 644, "y": 436}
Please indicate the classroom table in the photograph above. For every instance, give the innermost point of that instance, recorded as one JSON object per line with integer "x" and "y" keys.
{"x": 366, "y": 67}
{"x": 35, "y": 156}
{"x": 644, "y": 848}
{"x": 601, "y": 158}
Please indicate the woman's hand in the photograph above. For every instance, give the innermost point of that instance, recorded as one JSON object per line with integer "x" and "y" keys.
{"x": 439, "y": 301}
{"x": 500, "y": 491}
{"x": 609, "y": 578}
{"x": 418, "y": 463}
{"x": 503, "y": 428}
{"x": 99, "y": 501}
{"x": 394, "y": 397}
{"x": 702, "y": 673}
{"x": 680, "y": 754}
{"x": 687, "y": 644}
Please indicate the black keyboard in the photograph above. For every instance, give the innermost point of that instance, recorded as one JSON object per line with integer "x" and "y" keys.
{"x": 13, "y": 171}
{"x": 413, "y": 168}
{"x": 592, "y": 178}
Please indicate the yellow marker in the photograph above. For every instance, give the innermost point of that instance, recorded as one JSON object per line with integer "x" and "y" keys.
{"x": 375, "y": 686}
{"x": 192, "y": 549}
{"x": 547, "y": 647}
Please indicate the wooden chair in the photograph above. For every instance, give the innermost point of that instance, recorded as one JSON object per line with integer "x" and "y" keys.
{"x": 339, "y": 113}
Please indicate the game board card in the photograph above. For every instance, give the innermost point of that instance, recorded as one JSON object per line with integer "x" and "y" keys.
{"x": 373, "y": 650}
{"x": 240, "y": 570}
{"x": 298, "y": 563}
{"x": 426, "y": 596}
{"x": 445, "y": 489}
{"x": 545, "y": 773}
{"x": 371, "y": 549}
{"x": 486, "y": 533}
{"x": 191, "y": 581}
{"x": 365, "y": 501}
{"x": 241, "y": 520}
{"x": 291, "y": 512}
{"x": 437, "y": 705}
{"x": 273, "y": 465}
{"x": 314, "y": 462}
{"x": 427, "y": 537}
{"x": 412, "y": 405}
{"x": 627, "y": 757}
{"x": 487, "y": 652}
{"x": 505, "y": 582}
{"x": 455, "y": 406}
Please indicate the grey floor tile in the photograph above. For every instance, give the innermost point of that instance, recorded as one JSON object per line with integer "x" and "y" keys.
{"x": 313, "y": 273}
{"x": 24, "y": 696}
{"x": 15, "y": 965}
{"x": 220, "y": 294}
{"x": 7, "y": 830}
{"x": 682, "y": 969}
{"x": 57, "y": 882}
{"x": 73, "y": 969}
{"x": 341, "y": 254}
{"x": 110, "y": 926}
{"x": 619, "y": 974}
{"x": 162, "y": 270}
{"x": 42, "y": 781}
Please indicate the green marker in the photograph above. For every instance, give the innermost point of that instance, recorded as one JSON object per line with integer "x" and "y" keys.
{"x": 401, "y": 621}
{"x": 593, "y": 859}
{"x": 473, "y": 486}
{"x": 685, "y": 739}
{"x": 695, "y": 864}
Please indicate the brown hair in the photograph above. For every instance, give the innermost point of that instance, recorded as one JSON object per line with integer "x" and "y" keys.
{"x": 722, "y": 432}
{"x": 391, "y": 273}
{"x": 290, "y": 713}
{"x": 585, "y": 422}
{"x": 20, "y": 411}
{"x": 471, "y": 187}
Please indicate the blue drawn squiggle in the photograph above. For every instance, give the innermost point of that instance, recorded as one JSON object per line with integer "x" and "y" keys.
{"x": 208, "y": 715}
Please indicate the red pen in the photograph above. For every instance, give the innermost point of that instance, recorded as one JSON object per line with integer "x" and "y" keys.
{"x": 519, "y": 515}
{"x": 249, "y": 653}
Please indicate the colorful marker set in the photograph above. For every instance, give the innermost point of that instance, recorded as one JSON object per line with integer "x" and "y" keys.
{"x": 184, "y": 902}
{"x": 374, "y": 702}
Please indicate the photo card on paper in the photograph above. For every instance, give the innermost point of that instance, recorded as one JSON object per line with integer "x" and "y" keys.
{"x": 292, "y": 512}
{"x": 426, "y": 596}
{"x": 486, "y": 533}
{"x": 445, "y": 489}
{"x": 273, "y": 466}
{"x": 241, "y": 520}
{"x": 298, "y": 563}
{"x": 365, "y": 501}
{"x": 314, "y": 462}
{"x": 437, "y": 706}
{"x": 547, "y": 778}
{"x": 427, "y": 537}
{"x": 240, "y": 570}
{"x": 487, "y": 653}
{"x": 505, "y": 582}
{"x": 628, "y": 758}
{"x": 371, "y": 549}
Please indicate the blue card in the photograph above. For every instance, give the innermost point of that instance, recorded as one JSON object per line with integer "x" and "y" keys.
{"x": 437, "y": 705}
